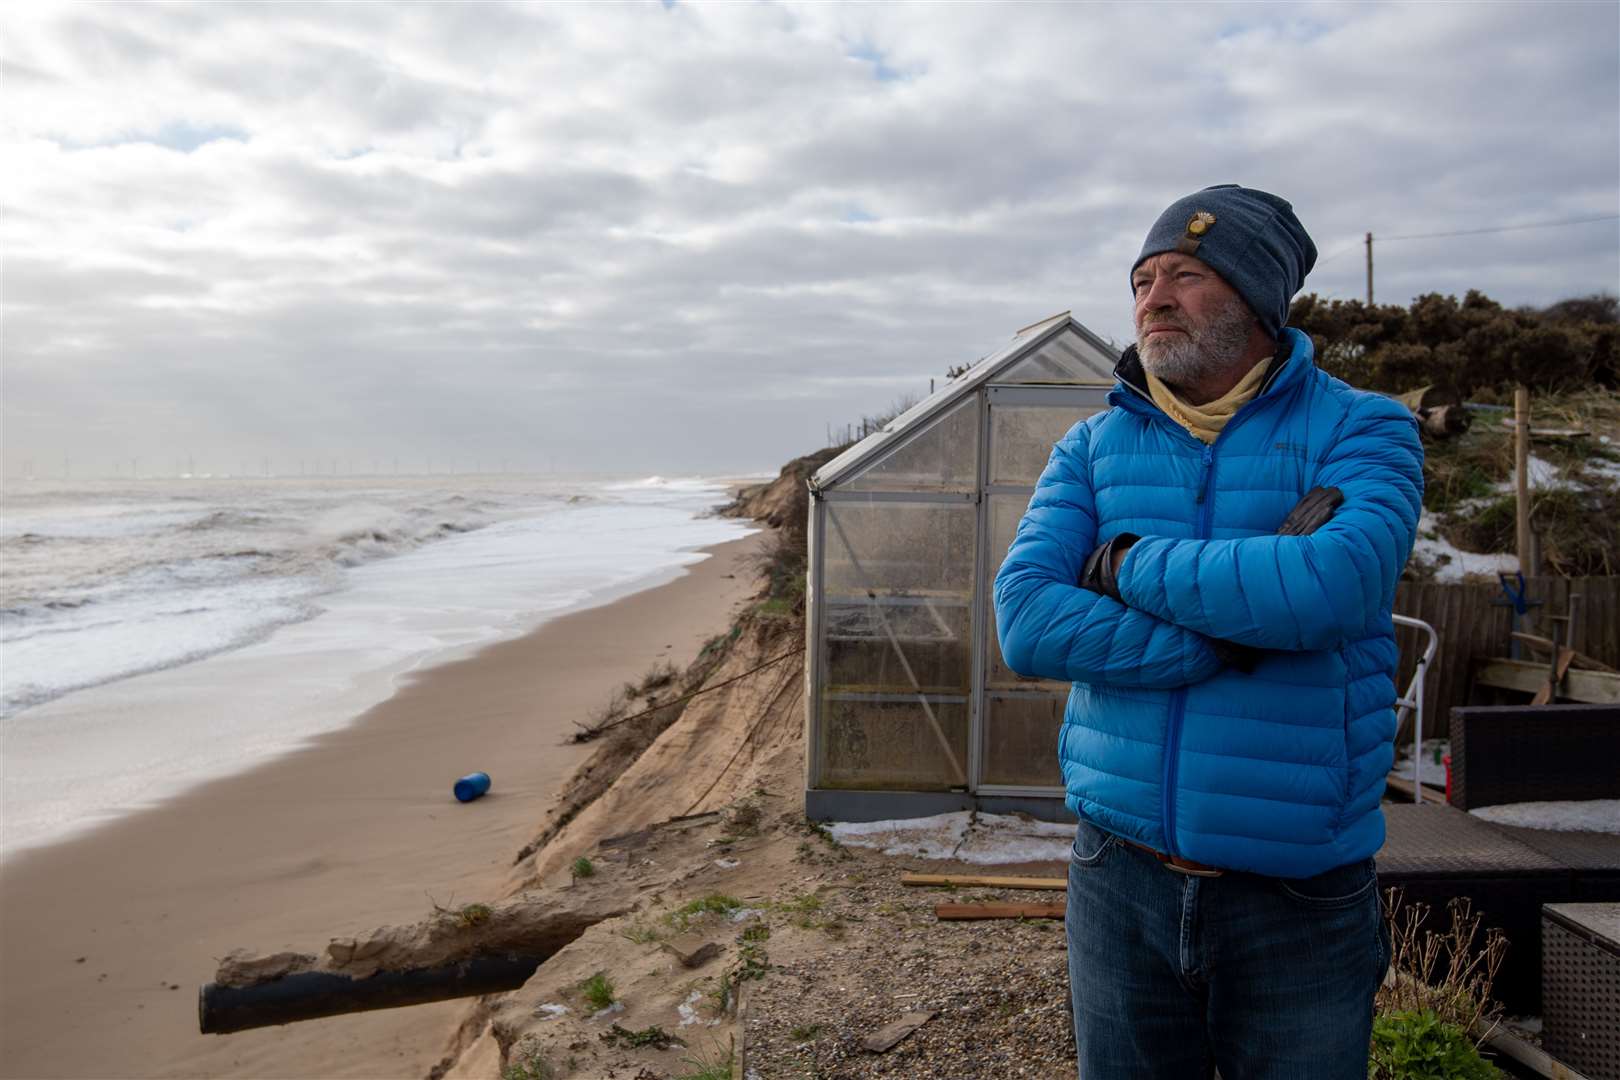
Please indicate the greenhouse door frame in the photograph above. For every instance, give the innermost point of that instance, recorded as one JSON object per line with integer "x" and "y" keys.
{"x": 857, "y": 804}
{"x": 1083, "y": 398}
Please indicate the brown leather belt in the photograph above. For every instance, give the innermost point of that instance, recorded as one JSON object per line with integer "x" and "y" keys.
{"x": 1176, "y": 862}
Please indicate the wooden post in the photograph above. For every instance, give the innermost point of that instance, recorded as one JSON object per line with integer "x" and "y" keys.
{"x": 1521, "y": 465}
{"x": 1369, "y": 269}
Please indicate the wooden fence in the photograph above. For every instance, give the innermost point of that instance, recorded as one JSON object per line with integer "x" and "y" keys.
{"x": 1474, "y": 624}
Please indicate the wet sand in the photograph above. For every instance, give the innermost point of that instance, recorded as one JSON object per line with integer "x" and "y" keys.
{"x": 105, "y": 938}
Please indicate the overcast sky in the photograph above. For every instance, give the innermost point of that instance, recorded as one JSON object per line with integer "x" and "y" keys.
{"x": 683, "y": 237}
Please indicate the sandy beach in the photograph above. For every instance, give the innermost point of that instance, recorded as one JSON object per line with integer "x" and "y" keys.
{"x": 105, "y": 938}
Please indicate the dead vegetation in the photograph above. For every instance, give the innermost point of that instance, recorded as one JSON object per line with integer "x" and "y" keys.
{"x": 626, "y": 734}
{"x": 1448, "y": 972}
{"x": 1575, "y": 497}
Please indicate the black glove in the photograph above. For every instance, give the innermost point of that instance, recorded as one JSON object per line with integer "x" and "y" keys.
{"x": 1242, "y": 657}
{"x": 1311, "y": 512}
{"x": 1098, "y": 575}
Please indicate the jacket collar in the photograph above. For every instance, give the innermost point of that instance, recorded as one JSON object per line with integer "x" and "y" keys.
{"x": 1295, "y": 353}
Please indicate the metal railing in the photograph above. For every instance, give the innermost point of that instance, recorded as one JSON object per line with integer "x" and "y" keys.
{"x": 1412, "y": 703}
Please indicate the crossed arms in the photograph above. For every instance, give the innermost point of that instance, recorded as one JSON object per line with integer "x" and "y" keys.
{"x": 1180, "y": 600}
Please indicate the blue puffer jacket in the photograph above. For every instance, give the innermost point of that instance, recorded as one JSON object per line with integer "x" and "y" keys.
{"x": 1278, "y": 771}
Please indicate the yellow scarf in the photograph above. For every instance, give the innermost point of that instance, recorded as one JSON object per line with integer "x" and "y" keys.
{"x": 1206, "y": 421}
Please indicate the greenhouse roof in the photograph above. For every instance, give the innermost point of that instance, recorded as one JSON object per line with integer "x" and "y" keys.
{"x": 1073, "y": 355}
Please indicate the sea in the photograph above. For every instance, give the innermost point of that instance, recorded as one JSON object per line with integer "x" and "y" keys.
{"x": 158, "y": 633}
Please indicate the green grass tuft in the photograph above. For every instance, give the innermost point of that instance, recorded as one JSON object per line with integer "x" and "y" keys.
{"x": 598, "y": 990}
{"x": 655, "y": 1037}
{"x": 641, "y": 934}
{"x": 709, "y": 1067}
{"x": 529, "y": 1066}
{"x": 712, "y": 904}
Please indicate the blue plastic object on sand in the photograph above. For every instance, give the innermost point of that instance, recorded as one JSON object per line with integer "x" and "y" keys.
{"x": 471, "y": 786}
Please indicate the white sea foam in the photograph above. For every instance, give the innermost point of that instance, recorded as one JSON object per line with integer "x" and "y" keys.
{"x": 172, "y": 640}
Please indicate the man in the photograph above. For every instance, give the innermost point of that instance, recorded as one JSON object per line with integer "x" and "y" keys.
{"x": 1212, "y": 563}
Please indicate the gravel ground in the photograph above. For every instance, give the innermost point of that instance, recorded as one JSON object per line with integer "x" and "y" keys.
{"x": 874, "y": 951}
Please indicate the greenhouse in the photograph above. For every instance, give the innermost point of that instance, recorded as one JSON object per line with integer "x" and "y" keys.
{"x": 911, "y": 709}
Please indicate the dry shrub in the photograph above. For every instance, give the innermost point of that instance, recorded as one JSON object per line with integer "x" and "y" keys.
{"x": 1442, "y": 971}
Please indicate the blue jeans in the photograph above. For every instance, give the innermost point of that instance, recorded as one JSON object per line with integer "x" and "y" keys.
{"x": 1173, "y": 976}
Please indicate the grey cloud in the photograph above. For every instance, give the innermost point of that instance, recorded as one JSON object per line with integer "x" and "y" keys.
{"x": 616, "y": 237}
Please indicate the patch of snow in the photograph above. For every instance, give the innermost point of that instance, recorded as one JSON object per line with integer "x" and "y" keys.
{"x": 1024, "y": 825}
{"x": 728, "y": 864}
{"x": 1432, "y": 761}
{"x": 983, "y": 839}
{"x": 930, "y": 837}
{"x": 1544, "y": 476}
{"x": 1582, "y": 815}
{"x": 1004, "y": 838}
{"x": 1450, "y": 562}
{"x": 616, "y": 1007}
{"x": 550, "y": 1011}
{"x": 1608, "y": 470}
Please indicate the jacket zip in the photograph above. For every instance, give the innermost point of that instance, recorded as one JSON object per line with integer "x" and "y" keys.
{"x": 1206, "y": 523}
{"x": 1178, "y": 703}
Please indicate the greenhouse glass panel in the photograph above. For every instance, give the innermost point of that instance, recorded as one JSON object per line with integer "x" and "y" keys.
{"x": 944, "y": 457}
{"x": 1065, "y": 359}
{"x": 1020, "y": 740}
{"x": 1022, "y": 436}
{"x": 907, "y": 644}
{"x": 1005, "y": 513}
{"x": 899, "y": 744}
{"x": 892, "y": 549}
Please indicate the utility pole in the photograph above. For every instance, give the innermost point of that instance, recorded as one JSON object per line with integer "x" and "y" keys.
{"x": 1369, "y": 269}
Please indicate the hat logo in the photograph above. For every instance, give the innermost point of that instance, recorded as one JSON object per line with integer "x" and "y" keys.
{"x": 1199, "y": 224}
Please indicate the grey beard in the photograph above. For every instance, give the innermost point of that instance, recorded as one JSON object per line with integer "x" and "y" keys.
{"x": 1204, "y": 352}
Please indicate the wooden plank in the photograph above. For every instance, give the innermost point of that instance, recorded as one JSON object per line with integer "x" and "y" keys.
{"x": 1474, "y": 628}
{"x": 1581, "y": 660}
{"x": 954, "y": 912}
{"x": 1591, "y": 687}
{"x": 1504, "y": 1042}
{"x": 985, "y": 881}
{"x": 1560, "y": 668}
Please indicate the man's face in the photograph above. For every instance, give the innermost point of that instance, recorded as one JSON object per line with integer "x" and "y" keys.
{"x": 1190, "y": 324}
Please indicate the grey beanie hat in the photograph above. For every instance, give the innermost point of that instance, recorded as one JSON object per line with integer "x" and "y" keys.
{"x": 1251, "y": 238}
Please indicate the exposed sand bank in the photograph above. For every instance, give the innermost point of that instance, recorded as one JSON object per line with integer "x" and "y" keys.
{"x": 355, "y": 831}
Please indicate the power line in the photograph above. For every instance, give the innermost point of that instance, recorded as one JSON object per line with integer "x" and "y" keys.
{"x": 1348, "y": 247}
{"x": 1504, "y": 228}
{"x": 1352, "y": 245}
